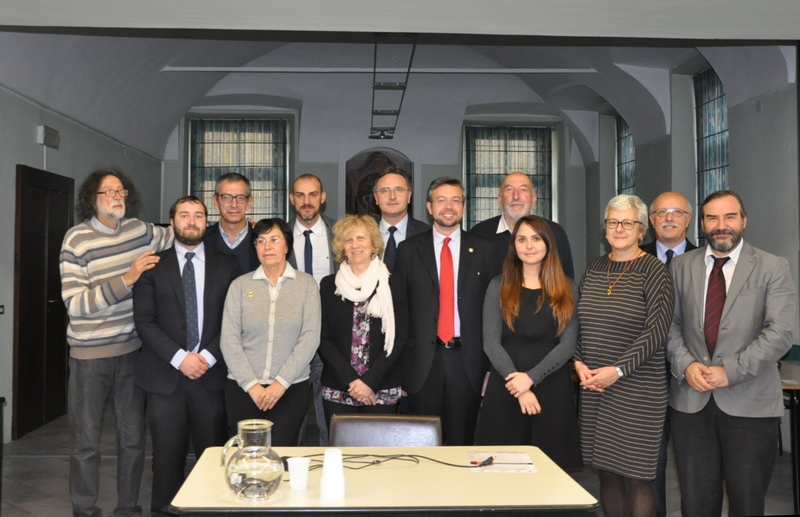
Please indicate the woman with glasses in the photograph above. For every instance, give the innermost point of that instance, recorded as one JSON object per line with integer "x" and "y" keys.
{"x": 625, "y": 310}
{"x": 270, "y": 332}
{"x": 358, "y": 348}
{"x": 529, "y": 334}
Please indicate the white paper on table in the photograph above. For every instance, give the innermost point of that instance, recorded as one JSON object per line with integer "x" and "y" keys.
{"x": 502, "y": 462}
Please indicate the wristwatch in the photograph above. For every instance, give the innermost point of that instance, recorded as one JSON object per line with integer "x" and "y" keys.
{"x": 619, "y": 372}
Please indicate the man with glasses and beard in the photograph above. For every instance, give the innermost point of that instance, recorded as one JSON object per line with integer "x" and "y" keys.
{"x": 101, "y": 260}
{"x": 734, "y": 315}
{"x": 177, "y": 308}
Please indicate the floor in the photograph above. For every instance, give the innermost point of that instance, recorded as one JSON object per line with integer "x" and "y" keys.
{"x": 35, "y": 480}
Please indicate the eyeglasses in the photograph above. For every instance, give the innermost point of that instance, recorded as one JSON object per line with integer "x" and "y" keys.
{"x": 398, "y": 191}
{"x": 677, "y": 213}
{"x": 627, "y": 224}
{"x": 227, "y": 198}
{"x": 261, "y": 241}
{"x": 112, "y": 192}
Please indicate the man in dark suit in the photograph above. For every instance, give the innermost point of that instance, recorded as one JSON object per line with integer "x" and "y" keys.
{"x": 232, "y": 234}
{"x": 440, "y": 279}
{"x": 177, "y": 309}
{"x": 313, "y": 233}
{"x": 670, "y": 215}
{"x": 517, "y": 197}
{"x": 734, "y": 315}
{"x": 393, "y": 195}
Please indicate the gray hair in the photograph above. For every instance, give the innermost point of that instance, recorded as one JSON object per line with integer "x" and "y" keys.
{"x": 628, "y": 202}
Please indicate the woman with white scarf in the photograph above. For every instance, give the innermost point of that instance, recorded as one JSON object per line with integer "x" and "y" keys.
{"x": 359, "y": 351}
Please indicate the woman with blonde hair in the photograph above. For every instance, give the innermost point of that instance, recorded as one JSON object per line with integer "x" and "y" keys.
{"x": 529, "y": 333}
{"x": 358, "y": 345}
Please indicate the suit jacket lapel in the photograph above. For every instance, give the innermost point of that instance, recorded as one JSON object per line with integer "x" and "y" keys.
{"x": 211, "y": 267}
{"x": 743, "y": 269}
{"x": 428, "y": 256}
{"x": 697, "y": 277}
{"x": 465, "y": 259}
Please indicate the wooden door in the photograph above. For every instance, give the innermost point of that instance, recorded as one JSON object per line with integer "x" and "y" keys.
{"x": 44, "y": 213}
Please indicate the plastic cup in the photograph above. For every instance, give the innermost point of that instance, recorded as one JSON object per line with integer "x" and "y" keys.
{"x": 298, "y": 472}
{"x": 332, "y": 482}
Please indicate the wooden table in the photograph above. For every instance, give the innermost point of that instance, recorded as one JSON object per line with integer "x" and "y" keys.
{"x": 790, "y": 382}
{"x": 398, "y": 486}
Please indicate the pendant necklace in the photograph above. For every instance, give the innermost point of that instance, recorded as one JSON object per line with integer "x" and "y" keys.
{"x": 608, "y": 273}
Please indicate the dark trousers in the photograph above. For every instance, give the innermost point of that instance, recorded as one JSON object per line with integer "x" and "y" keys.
{"x": 286, "y": 416}
{"x": 91, "y": 382}
{"x": 712, "y": 447}
{"x": 192, "y": 410}
{"x": 448, "y": 393}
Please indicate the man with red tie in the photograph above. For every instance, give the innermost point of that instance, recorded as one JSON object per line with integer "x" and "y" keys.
{"x": 440, "y": 279}
{"x": 734, "y": 315}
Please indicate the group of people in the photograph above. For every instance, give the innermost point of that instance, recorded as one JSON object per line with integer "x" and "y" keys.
{"x": 241, "y": 320}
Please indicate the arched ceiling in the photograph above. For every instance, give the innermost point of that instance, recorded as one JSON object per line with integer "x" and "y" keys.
{"x": 119, "y": 86}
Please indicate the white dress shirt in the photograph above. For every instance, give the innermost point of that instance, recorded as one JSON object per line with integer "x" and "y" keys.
{"x": 199, "y": 262}
{"x": 661, "y": 250}
{"x": 321, "y": 253}
{"x": 399, "y": 234}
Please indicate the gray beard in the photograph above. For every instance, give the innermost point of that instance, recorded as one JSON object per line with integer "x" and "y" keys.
{"x": 725, "y": 246}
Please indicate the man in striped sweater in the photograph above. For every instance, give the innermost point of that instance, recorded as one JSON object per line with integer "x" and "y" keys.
{"x": 101, "y": 260}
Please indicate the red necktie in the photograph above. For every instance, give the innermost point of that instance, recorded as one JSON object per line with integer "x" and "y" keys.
{"x": 715, "y": 301}
{"x": 446, "y": 328}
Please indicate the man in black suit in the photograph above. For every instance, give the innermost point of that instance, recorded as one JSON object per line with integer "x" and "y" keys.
{"x": 177, "y": 309}
{"x": 670, "y": 215}
{"x": 313, "y": 234}
{"x": 517, "y": 197}
{"x": 440, "y": 279}
{"x": 393, "y": 195}
{"x": 232, "y": 234}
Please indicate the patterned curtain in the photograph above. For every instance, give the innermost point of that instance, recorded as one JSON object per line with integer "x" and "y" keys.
{"x": 626, "y": 159}
{"x": 490, "y": 153}
{"x": 257, "y": 149}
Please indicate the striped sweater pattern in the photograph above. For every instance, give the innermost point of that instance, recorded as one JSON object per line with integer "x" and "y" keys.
{"x": 99, "y": 304}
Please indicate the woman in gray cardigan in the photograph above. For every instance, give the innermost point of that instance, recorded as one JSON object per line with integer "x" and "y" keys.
{"x": 270, "y": 332}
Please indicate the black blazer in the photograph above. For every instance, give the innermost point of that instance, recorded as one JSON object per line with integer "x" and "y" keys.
{"x": 337, "y": 336}
{"x": 160, "y": 318}
{"x": 650, "y": 247}
{"x": 488, "y": 230}
{"x": 415, "y": 227}
{"x": 416, "y": 297}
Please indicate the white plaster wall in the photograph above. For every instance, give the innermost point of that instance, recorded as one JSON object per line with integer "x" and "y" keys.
{"x": 82, "y": 150}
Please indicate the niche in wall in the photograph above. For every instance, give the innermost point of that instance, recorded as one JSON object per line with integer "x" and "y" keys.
{"x": 362, "y": 170}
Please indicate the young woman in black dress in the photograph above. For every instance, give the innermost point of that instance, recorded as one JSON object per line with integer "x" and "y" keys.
{"x": 529, "y": 333}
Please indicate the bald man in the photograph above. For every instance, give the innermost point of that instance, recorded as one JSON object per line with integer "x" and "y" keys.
{"x": 517, "y": 197}
{"x": 670, "y": 215}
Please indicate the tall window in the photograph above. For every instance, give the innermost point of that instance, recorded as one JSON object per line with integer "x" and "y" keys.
{"x": 711, "y": 115}
{"x": 490, "y": 153}
{"x": 257, "y": 149}
{"x": 626, "y": 159}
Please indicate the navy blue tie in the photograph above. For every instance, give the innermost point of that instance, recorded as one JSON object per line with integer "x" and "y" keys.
{"x": 190, "y": 299}
{"x": 391, "y": 250}
{"x": 670, "y": 254}
{"x": 308, "y": 257}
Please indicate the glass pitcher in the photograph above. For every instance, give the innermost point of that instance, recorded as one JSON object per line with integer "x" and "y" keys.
{"x": 254, "y": 472}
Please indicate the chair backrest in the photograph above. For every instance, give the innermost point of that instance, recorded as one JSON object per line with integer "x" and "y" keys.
{"x": 385, "y": 431}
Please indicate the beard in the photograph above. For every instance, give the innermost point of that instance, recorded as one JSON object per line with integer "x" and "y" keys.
{"x": 184, "y": 238}
{"x": 724, "y": 246}
{"x": 444, "y": 224}
{"x": 515, "y": 212}
{"x": 314, "y": 212}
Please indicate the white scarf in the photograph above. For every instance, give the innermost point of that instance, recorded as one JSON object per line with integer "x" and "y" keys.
{"x": 359, "y": 288}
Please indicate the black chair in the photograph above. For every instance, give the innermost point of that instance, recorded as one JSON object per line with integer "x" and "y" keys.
{"x": 385, "y": 431}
